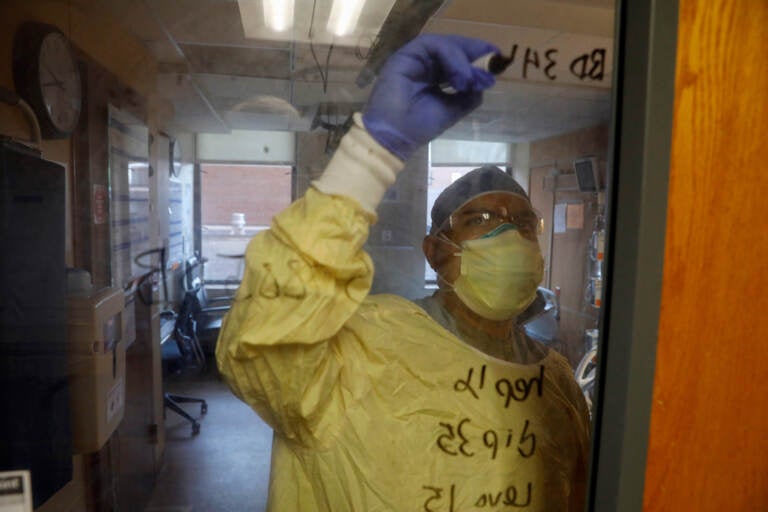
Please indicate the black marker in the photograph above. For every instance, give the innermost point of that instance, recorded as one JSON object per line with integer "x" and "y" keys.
{"x": 493, "y": 62}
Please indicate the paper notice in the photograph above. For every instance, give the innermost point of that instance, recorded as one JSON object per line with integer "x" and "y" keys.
{"x": 559, "y": 222}
{"x": 575, "y": 216}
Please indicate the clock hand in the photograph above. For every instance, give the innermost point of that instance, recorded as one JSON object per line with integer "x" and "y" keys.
{"x": 56, "y": 80}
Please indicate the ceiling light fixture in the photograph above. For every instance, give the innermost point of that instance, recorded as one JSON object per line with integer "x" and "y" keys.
{"x": 278, "y": 14}
{"x": 344, "y": 16}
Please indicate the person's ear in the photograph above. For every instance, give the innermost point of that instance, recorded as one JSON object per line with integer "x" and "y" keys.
{"x": 428, "y": 245}
{"x": 436, "y": 251}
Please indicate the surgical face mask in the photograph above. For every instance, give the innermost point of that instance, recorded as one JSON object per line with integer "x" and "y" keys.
{"x": 500, "y": 273}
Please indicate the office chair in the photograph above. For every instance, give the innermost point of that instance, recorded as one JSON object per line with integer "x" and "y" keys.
{"x": 193, "y": 319}
{"x": 181, "y": 352}
{"x": 209, "y": 315}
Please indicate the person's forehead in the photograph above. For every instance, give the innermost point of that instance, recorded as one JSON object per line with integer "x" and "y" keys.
{"x": 511, "y": 202}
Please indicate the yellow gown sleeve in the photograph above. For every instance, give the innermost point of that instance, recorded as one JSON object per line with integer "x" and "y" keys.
{"x": 279, "y": 345}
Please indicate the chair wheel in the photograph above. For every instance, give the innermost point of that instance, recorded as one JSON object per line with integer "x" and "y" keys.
{"x": 195, "y": 429}
{"x": 203, "y": 408}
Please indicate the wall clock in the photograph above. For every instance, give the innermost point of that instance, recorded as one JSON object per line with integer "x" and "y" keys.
{"x": 46, "y": 75}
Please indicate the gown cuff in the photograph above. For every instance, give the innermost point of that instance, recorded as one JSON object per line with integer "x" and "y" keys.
{"x": 361, "y": 168}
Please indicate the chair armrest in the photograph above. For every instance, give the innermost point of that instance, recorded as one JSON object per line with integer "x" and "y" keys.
{"x": 224, "y": 298}
{"x": 215, "y": 309}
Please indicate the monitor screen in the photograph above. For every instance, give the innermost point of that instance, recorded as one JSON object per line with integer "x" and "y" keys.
{"x": 586, "y": 174}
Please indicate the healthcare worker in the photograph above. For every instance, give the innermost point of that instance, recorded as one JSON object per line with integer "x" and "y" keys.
{"x": 377, "y": 403}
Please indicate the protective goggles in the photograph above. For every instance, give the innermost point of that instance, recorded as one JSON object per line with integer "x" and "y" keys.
{"x": 473, "y": 223}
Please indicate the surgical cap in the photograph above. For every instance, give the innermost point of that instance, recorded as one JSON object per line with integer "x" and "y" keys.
{"x": 482, "y": 180}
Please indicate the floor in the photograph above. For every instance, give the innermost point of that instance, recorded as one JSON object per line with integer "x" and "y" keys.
{"x": 223, "y": 468}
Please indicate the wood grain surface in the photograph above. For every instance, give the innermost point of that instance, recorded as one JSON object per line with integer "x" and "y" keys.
{"x": 708, "y": 447}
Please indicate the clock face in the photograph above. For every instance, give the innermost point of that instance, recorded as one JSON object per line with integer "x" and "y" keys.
{"x": 59, "y": 82}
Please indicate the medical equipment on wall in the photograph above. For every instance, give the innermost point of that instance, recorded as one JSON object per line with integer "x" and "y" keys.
{"x": 95, "y": 360}
{"x": 153, "y": 270}
{"x": 596, "y": 258}
{"x": 593, "y": 296}
{"x": 589, "y": 180}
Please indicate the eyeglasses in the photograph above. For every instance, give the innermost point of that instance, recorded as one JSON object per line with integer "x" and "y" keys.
{"x": 474, "y": 223}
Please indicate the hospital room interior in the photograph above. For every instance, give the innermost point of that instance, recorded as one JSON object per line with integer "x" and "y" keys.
{"x": 145, "y": 144}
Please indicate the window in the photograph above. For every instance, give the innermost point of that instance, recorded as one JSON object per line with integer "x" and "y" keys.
{"x": 237, "y": 201}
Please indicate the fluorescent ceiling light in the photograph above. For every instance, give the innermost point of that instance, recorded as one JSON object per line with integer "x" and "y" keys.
{"x": 344, "y": 16}
{"x": 278, "y": 14}
{"x": 362, "y": 20}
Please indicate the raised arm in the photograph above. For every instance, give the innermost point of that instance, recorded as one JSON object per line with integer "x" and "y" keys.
{"x": 282, "y": 347}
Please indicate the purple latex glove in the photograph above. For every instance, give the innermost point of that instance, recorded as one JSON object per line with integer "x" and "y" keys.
{"x": 407, "y": 108}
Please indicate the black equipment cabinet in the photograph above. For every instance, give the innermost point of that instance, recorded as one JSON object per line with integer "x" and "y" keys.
{"x": 35, "y": 430}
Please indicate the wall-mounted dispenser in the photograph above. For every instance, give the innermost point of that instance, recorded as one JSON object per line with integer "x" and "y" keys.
{"x": 96, "y": 362}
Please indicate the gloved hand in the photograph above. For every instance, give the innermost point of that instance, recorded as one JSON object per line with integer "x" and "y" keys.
{"x": 407, "y": 108}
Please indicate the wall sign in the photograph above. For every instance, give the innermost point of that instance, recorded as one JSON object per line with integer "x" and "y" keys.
{"x": 15, "y": 491}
